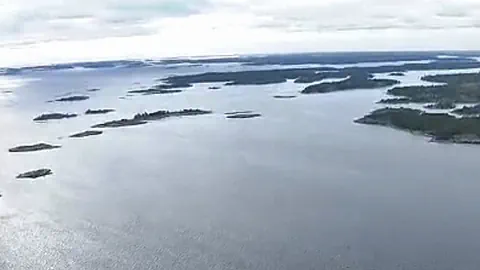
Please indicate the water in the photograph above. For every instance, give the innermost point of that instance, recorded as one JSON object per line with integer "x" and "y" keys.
{"x": 302, "y": 187}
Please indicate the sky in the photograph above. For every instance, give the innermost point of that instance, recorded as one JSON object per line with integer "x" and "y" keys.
{"x": 52, "y": 31}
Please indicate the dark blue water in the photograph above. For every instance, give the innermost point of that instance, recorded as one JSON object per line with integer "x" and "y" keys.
{"x": 302, "y": 187}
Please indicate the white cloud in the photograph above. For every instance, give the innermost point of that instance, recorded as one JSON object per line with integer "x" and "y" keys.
{"x": 43, "y": 31}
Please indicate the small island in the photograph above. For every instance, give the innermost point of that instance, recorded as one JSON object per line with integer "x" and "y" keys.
{"x": 397, "y": 74}
{"x": 154, "y": 91}
{"x": 54, "y": 116}
{"x": 395, "y": 101}
{"x": 284, "y": 96}
{"x": 162, "y": 89}
{"x": 238, "y": 112}
{"x": 93, "y": 90}
{"x": 143, "y": 118}
{"x": 441, "y": 127}
{"x": 165, "y": 114}
{"x": 33, "y": 148}
{"x": 86, "y": 134}
{"x": 35, "y": 174}
{"x": 214, "y": 88}
{"x": 120, "y": 123}
{"x": 72, "y": 98}
{"x": 243, "y": 115}
{"x": 99, "y": 111}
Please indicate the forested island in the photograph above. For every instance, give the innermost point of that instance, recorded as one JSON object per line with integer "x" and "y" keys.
{"x": 33, "y": 148}
{"x": 306, "y": 75}
{"x": 442, "y": 127}
{"x": 35, "y": 174}
{"x": 457, "y": 88}
{"x": 72, "y": 98}
{"x": 54, "y": 116}
{"x": 143, "y": 118}
{"x": 357, "y": 81}
{"x": 99, "y": 111}
{"x": 87, "y": 133}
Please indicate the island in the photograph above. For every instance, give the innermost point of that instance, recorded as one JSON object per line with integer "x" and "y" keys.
{"x": 164, "y": 88}
{"x": 99, "y": 111}
{"x": 35, "y": 174}
{"x": 457, "y": 88}
{"x": 468, "y": 110}
{"x": 120, "y": 123}
{"x": 242, "y": 115}
{"x": 143, "y": 118}
{"x": 357, "y": 81}
{"x": 444, "y": 104}
{"x": 72, "y": 98}
{"x": 214, "y": 88}
{"x": 238, "y": 112}
{"x": 311, "y": 75}
{"x": 54, "y": 116}
{"x": 284, "y": 96}
{"x": 250, "y": 77}
{"x": 397, "y": 74}
{"x": 33, "y": 148}
{"x": 86, "y": 134}
{"x": 394, "y": 101}
{"x": 158, "y": 115}
{"x": 154, "y": 91}
{"x": 93, "y": 90}
{"x": 441, "y": 127}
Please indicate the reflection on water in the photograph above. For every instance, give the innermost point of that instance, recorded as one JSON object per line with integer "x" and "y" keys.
{"x": 302, "y": 187}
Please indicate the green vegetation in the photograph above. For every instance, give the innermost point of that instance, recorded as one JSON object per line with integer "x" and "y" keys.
{"x": 33, "y": 148}
{"x": 35, "y": 174}
{"x": 54, "y": 116}
{"x": 442, "y": 127}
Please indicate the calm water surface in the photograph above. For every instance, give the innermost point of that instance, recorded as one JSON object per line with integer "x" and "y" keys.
{"x": 302, "y": 187}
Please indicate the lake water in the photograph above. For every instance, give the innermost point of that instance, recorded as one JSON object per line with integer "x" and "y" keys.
{"x": 302, "y": 187}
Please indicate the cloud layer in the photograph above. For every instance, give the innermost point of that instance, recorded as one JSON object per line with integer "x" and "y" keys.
{"x": 68, "y": 30}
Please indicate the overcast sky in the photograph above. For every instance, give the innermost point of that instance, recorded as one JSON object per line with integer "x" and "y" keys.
{"x": 43, "y": 31}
